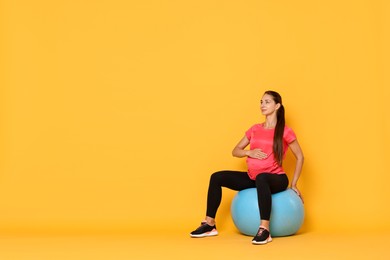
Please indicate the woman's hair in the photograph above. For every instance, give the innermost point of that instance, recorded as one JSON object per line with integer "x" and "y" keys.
{"x": 279, "y": 128}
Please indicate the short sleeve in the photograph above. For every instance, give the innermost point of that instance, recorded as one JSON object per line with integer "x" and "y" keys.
{"x": 289, "y": 135}
{"x": 248, "y": 133}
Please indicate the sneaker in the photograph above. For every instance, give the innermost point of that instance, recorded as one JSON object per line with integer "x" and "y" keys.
{"x": 204, "y": 230}
{"x": 262, "y": 237}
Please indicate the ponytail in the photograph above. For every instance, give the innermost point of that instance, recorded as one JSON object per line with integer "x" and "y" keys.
{"x": 278, "y": 136}
{"x": 279, "y": 128}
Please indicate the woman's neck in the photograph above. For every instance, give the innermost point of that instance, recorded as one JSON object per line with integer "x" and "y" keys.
{"x": 270, "y": 122}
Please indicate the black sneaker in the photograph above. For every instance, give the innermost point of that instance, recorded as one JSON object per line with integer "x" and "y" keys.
{"x": 262, "y": 237}
{"x": 204, "y": 230}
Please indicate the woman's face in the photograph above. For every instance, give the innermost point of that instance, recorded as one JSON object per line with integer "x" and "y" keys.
{"x": 268, "y": 105}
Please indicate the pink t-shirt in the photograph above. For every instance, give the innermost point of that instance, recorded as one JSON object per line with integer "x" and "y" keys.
{"x": 262, "y": 138}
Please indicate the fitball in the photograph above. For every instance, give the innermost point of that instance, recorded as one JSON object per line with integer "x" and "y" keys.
{"x": 287, "y": 212}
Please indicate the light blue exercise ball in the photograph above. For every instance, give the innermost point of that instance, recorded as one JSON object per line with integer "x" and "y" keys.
{"x": 287, "y": 212}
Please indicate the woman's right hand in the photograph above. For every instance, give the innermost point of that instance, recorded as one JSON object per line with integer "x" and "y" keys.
{"x": 257, "y": 154}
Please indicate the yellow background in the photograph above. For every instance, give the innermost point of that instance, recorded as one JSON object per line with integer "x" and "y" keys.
{"x": 115, "y": 113}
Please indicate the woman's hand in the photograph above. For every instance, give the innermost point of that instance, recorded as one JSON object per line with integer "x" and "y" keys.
{"x": 294, "y": 188}
{"x": 257, "y": 154}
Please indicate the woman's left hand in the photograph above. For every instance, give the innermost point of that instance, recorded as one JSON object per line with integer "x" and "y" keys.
{"x": 294, "y": 188}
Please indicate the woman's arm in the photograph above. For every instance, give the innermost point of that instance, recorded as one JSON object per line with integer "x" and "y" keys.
{"x": 297, "y": 151}
{"x": 239, "y": 150}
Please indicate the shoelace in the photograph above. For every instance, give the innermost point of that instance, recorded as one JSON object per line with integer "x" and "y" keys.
{"x": 261, "y": 230}
{"x": 201, "y": 225}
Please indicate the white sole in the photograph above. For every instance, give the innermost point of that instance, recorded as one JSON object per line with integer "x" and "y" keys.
{"x": 207, "y": 234}
{"x": 262, "y": 242}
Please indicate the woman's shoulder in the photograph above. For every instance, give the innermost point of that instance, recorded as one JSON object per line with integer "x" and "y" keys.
{"x": 253, "y": 128}
{"x": 288, "y": 128}
{"x": 256, "y": 126}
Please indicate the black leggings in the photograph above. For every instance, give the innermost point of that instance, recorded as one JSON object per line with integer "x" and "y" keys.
{"x": 265, "y": 183}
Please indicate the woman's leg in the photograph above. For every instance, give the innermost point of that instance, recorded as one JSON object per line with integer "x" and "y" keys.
{"x": 234, "y": 180}
{"x": 230, "y": 179}
{"x": 268, "y": 184}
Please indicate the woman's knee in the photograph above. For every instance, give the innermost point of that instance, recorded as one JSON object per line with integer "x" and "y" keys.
{"x": 261, "y": 178}
{"x": 216, "y": 177}
{"x": 274, "y": 182}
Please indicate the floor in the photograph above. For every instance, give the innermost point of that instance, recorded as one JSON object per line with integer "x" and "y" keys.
{"x": 178, "y": 245}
